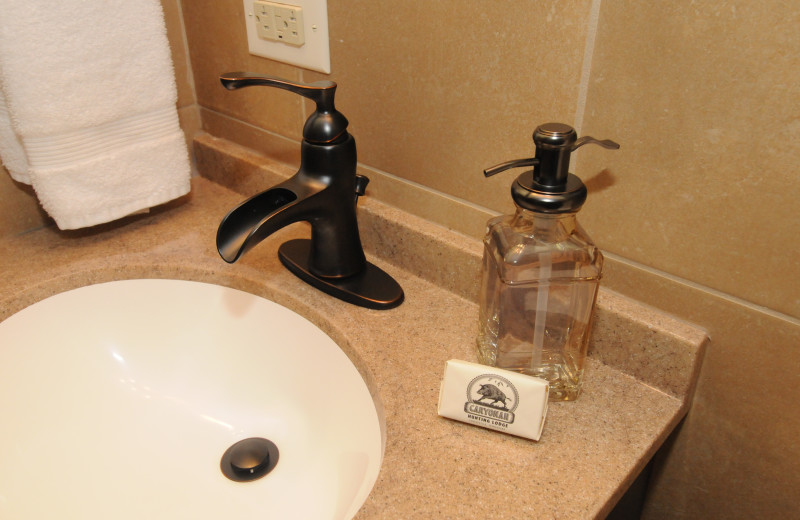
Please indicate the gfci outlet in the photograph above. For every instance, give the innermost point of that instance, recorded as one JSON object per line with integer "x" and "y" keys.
{"x": 295, "y": 33}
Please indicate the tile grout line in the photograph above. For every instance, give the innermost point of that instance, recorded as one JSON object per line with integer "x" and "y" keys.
{"x": 730, "y": 298}
{"x": 303, "y": 114}
{"x": 586, "y": 69}
{"x": 188, "y": 58}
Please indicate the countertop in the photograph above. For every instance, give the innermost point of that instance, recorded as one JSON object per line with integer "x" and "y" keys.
{"x": 638, "y": 381}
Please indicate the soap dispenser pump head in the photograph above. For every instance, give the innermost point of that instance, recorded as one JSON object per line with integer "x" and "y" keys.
{"x": 553, "y": 147}
{"x": 549, "y": 187}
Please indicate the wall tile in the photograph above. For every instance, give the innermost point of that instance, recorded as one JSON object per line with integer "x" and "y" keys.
{"x": 704, "y": 100}
{"x": 437, "y": 91}
{"x": 434, "y": 91}
{"x": 736, "y": 455}
{"x": 218, "y": 43}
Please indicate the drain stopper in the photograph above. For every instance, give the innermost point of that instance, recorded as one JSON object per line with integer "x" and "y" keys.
{"x": 249, "y": 459}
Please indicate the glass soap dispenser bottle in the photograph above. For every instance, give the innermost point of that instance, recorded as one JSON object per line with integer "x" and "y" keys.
{"x": 541, "y": 271}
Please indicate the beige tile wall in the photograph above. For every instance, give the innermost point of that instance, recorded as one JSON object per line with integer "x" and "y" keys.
{"x": 705, "y": 97}
{"x": 698, "y": 210}
{"x": 708, "y": 109}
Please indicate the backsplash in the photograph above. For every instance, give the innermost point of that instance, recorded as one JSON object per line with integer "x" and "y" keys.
{"x": 679, "y": 210}
{"x": 651, "y": 346}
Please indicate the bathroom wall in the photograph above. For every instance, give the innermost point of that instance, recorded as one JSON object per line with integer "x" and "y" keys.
{"x": 697, "y": 211}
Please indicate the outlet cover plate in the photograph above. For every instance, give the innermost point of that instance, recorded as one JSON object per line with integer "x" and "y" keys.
{"x": 314, "y": 54}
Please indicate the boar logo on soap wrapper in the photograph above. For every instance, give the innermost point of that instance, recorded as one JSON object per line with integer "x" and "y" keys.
{"x": 491, "y": 398}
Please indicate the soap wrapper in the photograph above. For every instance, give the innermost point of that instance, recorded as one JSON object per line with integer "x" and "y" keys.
{"x": 494, "y": 398}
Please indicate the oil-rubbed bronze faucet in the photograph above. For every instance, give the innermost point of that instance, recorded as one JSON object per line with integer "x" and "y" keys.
{"x": 324, "y": 192}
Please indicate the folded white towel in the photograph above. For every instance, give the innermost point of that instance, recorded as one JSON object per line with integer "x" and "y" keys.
{"x": 90, "y": 92}
{"x": 11, "y": 151}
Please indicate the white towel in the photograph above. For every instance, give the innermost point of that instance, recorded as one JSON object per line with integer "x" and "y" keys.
{"x": 90, "y": 94}
{"x": 11, "y": 151}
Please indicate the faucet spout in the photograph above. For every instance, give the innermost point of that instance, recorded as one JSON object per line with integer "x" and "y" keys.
{"x": 259, "y": 216}
{"x": 322, "y": 192}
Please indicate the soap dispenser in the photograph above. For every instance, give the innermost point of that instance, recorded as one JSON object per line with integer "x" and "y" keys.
{"x": 541, "y": 271}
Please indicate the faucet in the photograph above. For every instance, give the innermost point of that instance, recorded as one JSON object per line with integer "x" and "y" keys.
{"x": 323, "y": 192}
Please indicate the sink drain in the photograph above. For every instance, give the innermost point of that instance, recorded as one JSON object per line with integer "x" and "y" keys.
{"x": 249, "y": 459}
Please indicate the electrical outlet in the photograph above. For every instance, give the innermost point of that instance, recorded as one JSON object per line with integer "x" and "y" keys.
{"x": 294, "y": 33}
{"x": 279, "y": 22}
{"x": 264, "y": 18}
{"x": 289, "y": 24}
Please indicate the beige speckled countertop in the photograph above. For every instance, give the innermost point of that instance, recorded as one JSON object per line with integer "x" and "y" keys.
{"x": 638, "y": 382}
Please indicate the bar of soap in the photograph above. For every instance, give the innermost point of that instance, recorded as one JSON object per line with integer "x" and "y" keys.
{"x": 497, "y": 399}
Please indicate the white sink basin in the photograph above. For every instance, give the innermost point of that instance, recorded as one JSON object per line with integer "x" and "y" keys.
{"x": 118, "y": 400}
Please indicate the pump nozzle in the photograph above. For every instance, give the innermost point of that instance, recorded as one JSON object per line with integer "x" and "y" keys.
{"x": 516, "y": 163}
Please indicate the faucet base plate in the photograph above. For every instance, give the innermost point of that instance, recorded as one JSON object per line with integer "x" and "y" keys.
{"x": 372, "y": 288}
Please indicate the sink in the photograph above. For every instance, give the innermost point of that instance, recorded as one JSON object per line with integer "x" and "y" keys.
{"x": 118, "y": 400}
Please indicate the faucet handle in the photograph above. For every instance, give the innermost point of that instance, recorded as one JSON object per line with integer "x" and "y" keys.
{"x": 361, "y": 185}
{"x": 325, "y": 125}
